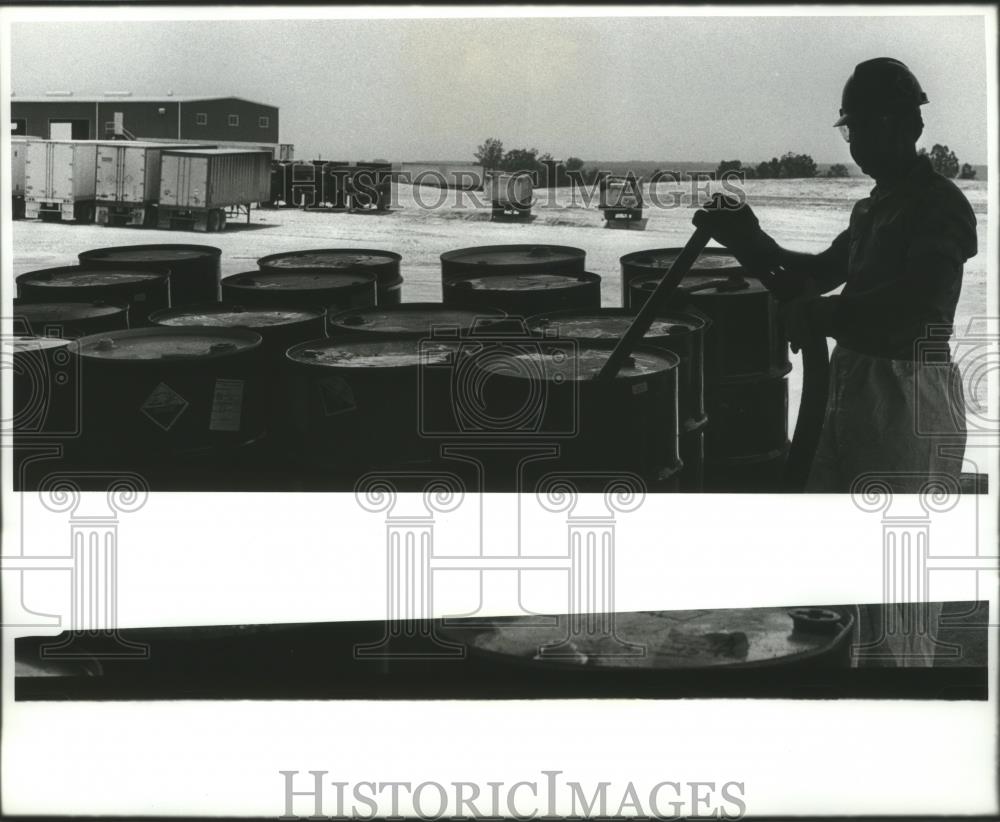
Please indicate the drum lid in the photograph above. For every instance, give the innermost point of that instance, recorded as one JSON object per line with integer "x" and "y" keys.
{"x": 409, "y": 352}
{"x": 158, "y": 343}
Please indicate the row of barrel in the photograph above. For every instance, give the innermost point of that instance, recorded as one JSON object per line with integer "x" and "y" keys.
{"x": 738, "y": 427}
{"x": 313, "y": 358}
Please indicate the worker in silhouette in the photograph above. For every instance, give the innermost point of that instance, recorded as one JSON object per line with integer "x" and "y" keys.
{"x": 895, "y": 406}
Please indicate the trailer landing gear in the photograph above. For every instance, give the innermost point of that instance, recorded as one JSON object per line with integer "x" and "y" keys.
{"x": 207, "y": 219}
{"x": 510, "y": 212}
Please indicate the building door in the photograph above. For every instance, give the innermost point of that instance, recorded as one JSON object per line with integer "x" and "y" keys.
{"x": 69, "y": 129}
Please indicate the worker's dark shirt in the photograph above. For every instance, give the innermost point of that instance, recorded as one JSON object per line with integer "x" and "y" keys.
{"x": 901, "y": 264}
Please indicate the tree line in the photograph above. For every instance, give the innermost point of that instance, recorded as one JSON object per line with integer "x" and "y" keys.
{"x": 797, "y": 166}
{"x": 492, "y": 157}
{"x": 945, "y": 162}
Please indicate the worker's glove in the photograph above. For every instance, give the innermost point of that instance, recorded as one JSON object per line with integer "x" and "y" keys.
{"x": 806, "y": 319}
{"x": 734, "y": 225}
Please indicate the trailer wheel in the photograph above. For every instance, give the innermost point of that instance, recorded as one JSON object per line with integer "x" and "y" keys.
{"x": 222, "y": 219}
{"x": 83, "y": 213}
{"x": 212, "y": 220}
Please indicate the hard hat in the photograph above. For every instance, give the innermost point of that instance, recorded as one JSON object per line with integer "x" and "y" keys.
{"x": 879, "y": 86}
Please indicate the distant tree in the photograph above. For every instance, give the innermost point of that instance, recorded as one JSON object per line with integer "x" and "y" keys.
{"x": 769, "y": 169}
{"x": 797, "y": 165}
{"x": 552, "y": 172}
{"x": 729, "y": 165}
{"x": 838, "y": 170}
{"x": 589, "y": 175}
{"x": 790, "y": 166}
{"x": 490, "y": 154}
{"x": 967, "y": 172}
{"x": 520, "y": 159}
{"x": 942, "y": 159}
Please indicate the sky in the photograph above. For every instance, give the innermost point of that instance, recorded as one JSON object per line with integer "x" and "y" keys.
{"x": 611, "y": 88}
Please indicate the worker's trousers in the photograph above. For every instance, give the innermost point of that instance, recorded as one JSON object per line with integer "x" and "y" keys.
{"x": 899, "y": 422}
{"x": 897, "y": 425}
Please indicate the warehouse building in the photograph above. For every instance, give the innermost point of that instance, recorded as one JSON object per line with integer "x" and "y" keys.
{"x": 218, "y": 120}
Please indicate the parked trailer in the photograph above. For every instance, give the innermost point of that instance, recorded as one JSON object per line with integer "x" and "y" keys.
{"x": 313, "y": 184}
{"x": 620, "y": 197}
{"x": 509, "y": 194}
{"x": 334, "y": 180}
{"x": 199, "y": 186}
{"x": 280, "y": 181}
{"x": 17, "y": 151}
{"x": 59, "y": 179}
{"x": 127, "y": 184}
{"x": 317, "y": 184}
{"x": 369, "y": 186}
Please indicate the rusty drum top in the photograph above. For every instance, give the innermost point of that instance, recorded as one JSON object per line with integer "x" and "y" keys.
{"x": 655, "y": 262}
{"x": 318, "y": 288}
{"x": 280, "y": 327}
{"x": 668, "y": 640}
{"x": 384, "y": 265}
{"x": 226, "y": 315}
{"x": 411, "y": 318}
{"x": 160, "y": 345}
{"x": 355, "y": 404}
{"x": 524, "y": 294}
{"x": 746, "y": 337}
{"x": 512, "y": 259}
{"x": 365, "y": 355}
{"x": 377, "y": 262}
{"x": 678, "y": 332}
{"x": 143, "y": 291}
{"x": 70, "y": 319}
{"x": 194, "y": 270}
{"x": 547, "y": 389}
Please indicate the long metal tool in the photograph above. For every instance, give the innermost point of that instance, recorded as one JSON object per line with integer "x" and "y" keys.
{"x": 644, "y": 319}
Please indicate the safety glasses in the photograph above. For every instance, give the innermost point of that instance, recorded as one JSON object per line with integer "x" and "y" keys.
{"x": 860, "y": 125}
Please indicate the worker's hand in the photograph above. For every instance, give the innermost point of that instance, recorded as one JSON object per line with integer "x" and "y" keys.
{"x": 806, "y": 319}
{"x": 734, "y": 225}
{"x": 783, "y": 285}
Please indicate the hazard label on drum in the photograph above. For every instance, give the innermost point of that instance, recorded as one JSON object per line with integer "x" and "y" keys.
{"x": 164, "y": 406}
{"x": 227, "y": 406}
{"x": 336, "y": 396}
